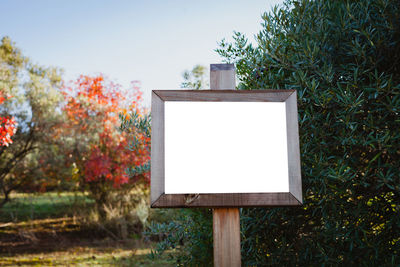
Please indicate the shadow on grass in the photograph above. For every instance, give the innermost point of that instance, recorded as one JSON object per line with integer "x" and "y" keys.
{"x": 61, "y": 242}
{"x": 44, "y": 230}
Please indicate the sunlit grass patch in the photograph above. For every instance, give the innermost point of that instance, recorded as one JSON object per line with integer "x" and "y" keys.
{"x": 90, "y": 256}
{"x": 24, "y": 207}
{"x": 49, "y": 230}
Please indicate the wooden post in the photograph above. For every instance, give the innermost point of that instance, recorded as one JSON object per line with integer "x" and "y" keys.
{"x": 226, "y": 223}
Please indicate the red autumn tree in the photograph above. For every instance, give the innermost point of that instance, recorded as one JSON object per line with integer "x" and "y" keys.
{"x": 8, "y": 126}
{"x": 98, "y": 150}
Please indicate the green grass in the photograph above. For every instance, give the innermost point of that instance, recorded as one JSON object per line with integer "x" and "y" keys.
{"x": 24, "y": 207}
{"x": 86, "y": 256}
{"x": 41, "y": 230}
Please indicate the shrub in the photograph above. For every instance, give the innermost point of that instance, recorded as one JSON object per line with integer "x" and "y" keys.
{"x": 189, "y": 233}
{"x": 342, "y": 57}
{"x": 98, "y": 152}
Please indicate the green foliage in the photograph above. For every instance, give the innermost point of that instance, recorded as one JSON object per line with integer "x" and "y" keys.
{"x": 131, "y": 123}
{"x": 196, "y": 78}
{"x": 186, "y": 231}
{"x": 189, "y": 232}
{"x": 49, "y": 230}
{"x": 343, "y": 58}
{"x": 35, "y": 104}
{"x": 138, "y": 170}
{"x": 122, "y": 215}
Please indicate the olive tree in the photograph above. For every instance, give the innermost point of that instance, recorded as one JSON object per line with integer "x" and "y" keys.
{"x": 35, "y": 105}
{"x": 343, "y": 58}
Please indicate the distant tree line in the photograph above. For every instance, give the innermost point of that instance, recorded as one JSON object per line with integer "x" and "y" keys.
{"x": 65, "y": 136}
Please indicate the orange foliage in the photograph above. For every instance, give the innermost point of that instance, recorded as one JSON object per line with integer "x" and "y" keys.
{"x": 8, "y": 126}
{"x": 92, "y": 107}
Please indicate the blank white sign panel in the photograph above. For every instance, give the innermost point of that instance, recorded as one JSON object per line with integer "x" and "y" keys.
{"x": 225, "y": 147}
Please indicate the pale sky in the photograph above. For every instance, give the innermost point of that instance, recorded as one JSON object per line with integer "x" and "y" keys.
{"x": 151, "y": 41}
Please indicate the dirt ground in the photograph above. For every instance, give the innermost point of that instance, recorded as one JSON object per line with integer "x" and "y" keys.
{"x": 61, "y": 242}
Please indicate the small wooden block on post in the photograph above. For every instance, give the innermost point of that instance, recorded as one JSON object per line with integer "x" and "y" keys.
{"x": 222, "y": 77}
{"x": 226, "y": 221}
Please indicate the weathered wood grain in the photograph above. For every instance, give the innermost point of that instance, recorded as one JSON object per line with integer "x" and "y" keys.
{"x": 226, "y": 200}
{"x": 216, "y": 67}
{"x": 225, "y": 95}
{"x": 222, "y": 76}
{"x": 258, "y": 200}
{"x": 226, "y": 233}
{"x": 157, "y": 170}
{"x": 226, "y": 223}
{"x": 293, "y": 147}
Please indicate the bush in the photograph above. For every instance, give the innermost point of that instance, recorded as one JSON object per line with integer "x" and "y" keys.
{"x": 343, "y": 58}
{"x": 123, "y": 216}
{"x": 188, "y": 232}
{"x": 98, "y": 151}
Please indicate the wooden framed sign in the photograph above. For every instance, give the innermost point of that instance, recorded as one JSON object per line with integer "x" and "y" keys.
{"x": 225, "y": 148}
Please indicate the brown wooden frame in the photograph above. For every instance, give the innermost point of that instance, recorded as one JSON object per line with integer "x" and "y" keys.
{"x": 158, "y": 197}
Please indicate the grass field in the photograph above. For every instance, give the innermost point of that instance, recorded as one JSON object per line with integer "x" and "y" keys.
{"x": 42, "y": 230}
{"x": 24, "y": 207}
